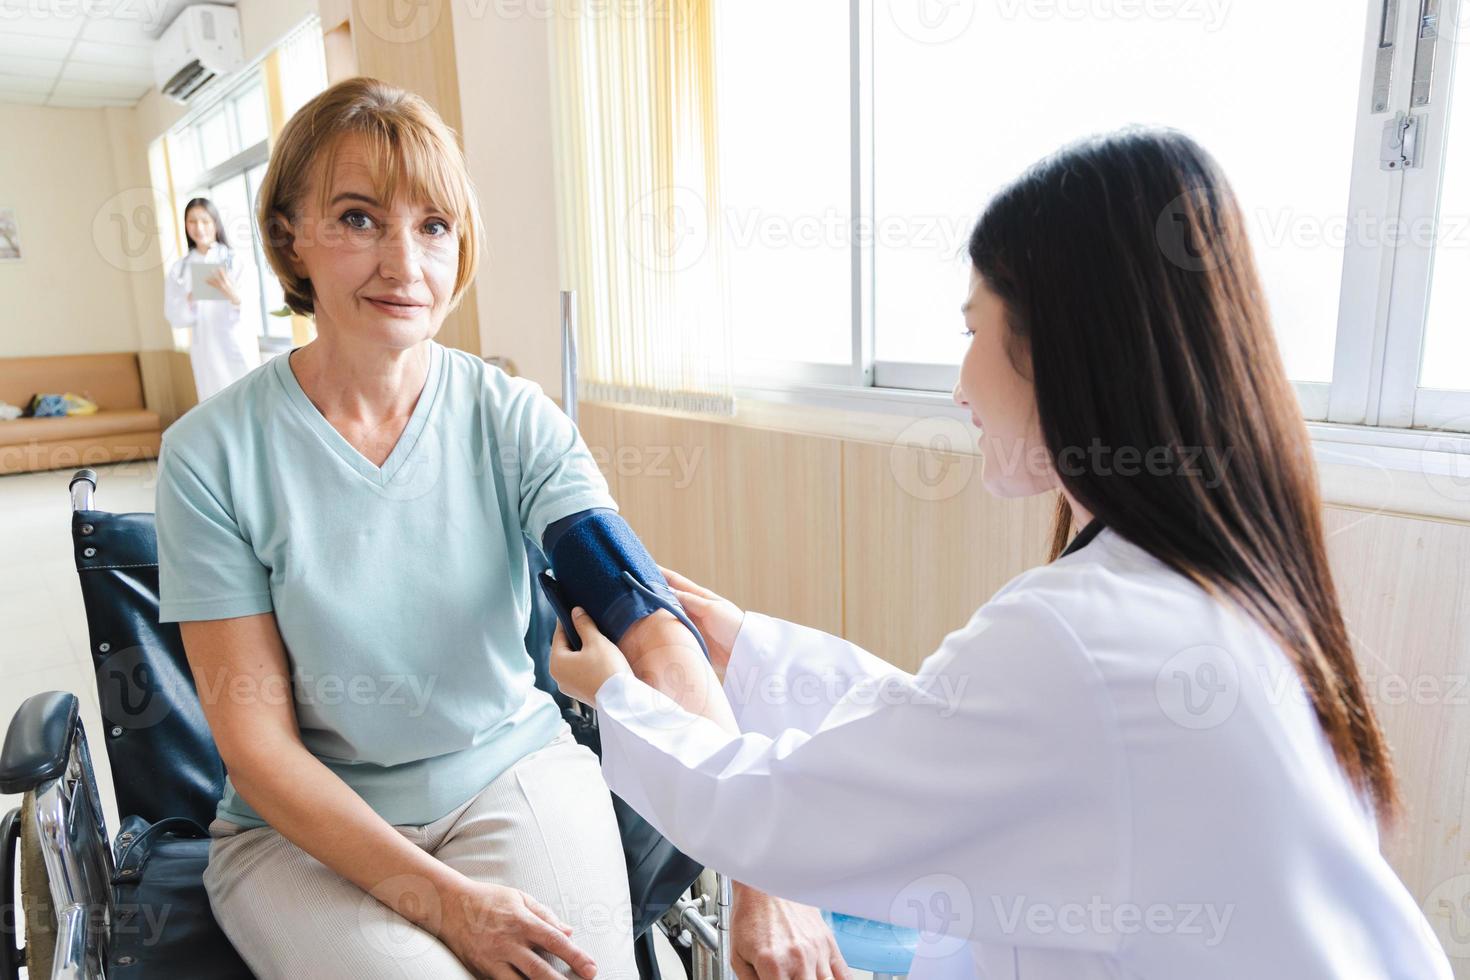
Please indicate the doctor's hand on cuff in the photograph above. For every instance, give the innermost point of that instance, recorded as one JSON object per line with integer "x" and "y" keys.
{"x": 717, "y": 618}
{"x": 579, "y": 673}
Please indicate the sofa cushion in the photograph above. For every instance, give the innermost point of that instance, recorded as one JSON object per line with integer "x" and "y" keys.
{"x": 110, "y": 380}
{"x": 16, "y": 432}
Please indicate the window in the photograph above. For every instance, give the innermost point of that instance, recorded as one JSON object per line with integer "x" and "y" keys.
{"x": 784, "y": 180}
{"x": 212, "y": 154}
{"x": 220, "y": 151}
{"x": 942, "y": 103}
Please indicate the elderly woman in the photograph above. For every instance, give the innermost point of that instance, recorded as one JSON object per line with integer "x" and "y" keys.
{"x": 340, "y": 538}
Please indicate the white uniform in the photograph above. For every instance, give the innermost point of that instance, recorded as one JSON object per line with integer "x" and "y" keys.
{"x": 1105, "y": 773}
{"x": 225, "y": 347}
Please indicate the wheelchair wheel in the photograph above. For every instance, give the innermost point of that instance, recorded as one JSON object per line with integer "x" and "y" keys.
{"x": 35, "y": 895}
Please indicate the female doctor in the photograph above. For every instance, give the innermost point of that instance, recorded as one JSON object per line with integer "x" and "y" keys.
{"x": 223, "y": 349}
{"x": 1152, "y": 757}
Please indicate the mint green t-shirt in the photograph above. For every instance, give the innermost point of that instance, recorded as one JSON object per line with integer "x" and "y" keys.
{"x": 401, "y": 591}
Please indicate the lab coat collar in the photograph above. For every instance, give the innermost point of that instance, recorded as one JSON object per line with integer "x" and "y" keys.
{"x": 1084, "y": 537}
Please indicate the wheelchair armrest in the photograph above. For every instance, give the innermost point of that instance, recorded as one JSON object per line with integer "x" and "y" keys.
{"x": 39, "y": 741}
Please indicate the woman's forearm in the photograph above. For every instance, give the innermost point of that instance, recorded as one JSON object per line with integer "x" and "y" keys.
{"x": 314, "y": 809}
{"x": 665, "y": 656}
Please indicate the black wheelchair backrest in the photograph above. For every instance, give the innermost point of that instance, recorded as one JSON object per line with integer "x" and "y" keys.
{"x": 164, "y": 763}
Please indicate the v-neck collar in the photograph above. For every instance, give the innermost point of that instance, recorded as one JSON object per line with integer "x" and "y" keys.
{"x": 380, "y": 475}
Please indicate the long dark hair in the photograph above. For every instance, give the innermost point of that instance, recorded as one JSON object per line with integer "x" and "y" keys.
{"x": 1127, "y": 278}
{"x": 213, "y": 212}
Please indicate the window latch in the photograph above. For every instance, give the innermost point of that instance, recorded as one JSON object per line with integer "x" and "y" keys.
{"x": 1402, "y": 137}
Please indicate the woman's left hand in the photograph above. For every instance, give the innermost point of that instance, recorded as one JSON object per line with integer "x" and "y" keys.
{"x": 579, "y": 673}
{"x": 222, "y": 282}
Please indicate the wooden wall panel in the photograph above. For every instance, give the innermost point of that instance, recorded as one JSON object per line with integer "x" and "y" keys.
{"x": 752, "y": 514}
{"x": 599, "y": 427}
{"x": 926, "y": 545}
{"x": 778, "y": 506}
{"x": 1405, "y": 588}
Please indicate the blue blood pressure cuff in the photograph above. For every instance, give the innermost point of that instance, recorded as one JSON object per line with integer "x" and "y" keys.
{"x": 600, "y": 565}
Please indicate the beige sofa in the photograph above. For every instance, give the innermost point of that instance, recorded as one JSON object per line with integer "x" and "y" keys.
{"x": 122, "y": 429}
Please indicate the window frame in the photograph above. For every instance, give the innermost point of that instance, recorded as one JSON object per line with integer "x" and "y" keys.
{"x": 1383, "y": 294}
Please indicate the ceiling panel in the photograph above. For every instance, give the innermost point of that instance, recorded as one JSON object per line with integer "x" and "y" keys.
{"x": 78, "y": 53}
{"x": 77, "y": 71}
{"x": 25, "y": 83}
{"x": 100, "y": 53}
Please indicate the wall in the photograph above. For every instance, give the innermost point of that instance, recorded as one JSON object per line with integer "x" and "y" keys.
{"x": 505, "y": 94}
{"x": 892, "y": 545}
{"x": 65, "y": 296}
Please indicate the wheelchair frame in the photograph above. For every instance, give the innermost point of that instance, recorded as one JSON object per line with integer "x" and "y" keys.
{"x": 47, "y": 761}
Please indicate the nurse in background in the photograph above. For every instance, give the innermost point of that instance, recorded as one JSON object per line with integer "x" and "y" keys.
{"x": 223, "y": 348}
{"x": 1151, "y": 758}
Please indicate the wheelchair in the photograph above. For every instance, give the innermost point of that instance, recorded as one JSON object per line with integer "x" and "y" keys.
{"x": 134, "y": 907}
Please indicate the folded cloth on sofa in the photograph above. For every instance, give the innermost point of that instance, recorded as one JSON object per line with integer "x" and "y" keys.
{"x": 9, "y": 411}
{"x": 67, "y": 403}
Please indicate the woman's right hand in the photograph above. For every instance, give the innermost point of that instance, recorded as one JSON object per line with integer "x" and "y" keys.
{"x": 717, "y": 618}
{"x": 501, "y": 932}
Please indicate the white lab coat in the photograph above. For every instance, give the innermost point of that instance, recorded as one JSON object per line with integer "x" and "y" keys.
{"x": 224, "y": 344}
{"x": 1104, "y": 773}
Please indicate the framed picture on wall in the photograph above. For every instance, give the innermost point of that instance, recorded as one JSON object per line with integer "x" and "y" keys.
{"x": 9, "y": 236}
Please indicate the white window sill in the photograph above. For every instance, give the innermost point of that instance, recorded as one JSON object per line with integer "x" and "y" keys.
{"x": 1415, "y": 473}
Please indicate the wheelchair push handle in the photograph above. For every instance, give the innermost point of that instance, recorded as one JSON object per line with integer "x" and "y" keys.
{"x": 83, "y": 487}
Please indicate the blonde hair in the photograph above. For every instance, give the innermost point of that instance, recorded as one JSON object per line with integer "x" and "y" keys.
{"x": 410, "y": 150}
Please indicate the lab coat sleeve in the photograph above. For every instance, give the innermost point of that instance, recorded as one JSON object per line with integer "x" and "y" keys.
{"x": 952, "y": 800}
{"x": 176, "y": 305}
{"x": 235, "y": 269}
{"x": 782, "y": 675}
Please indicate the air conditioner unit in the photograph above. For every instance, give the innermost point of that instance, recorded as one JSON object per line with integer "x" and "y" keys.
{"x": 202, "y": 44}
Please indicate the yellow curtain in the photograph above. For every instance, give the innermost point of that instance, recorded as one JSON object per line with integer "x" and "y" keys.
{"x": 639, "y": 202}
